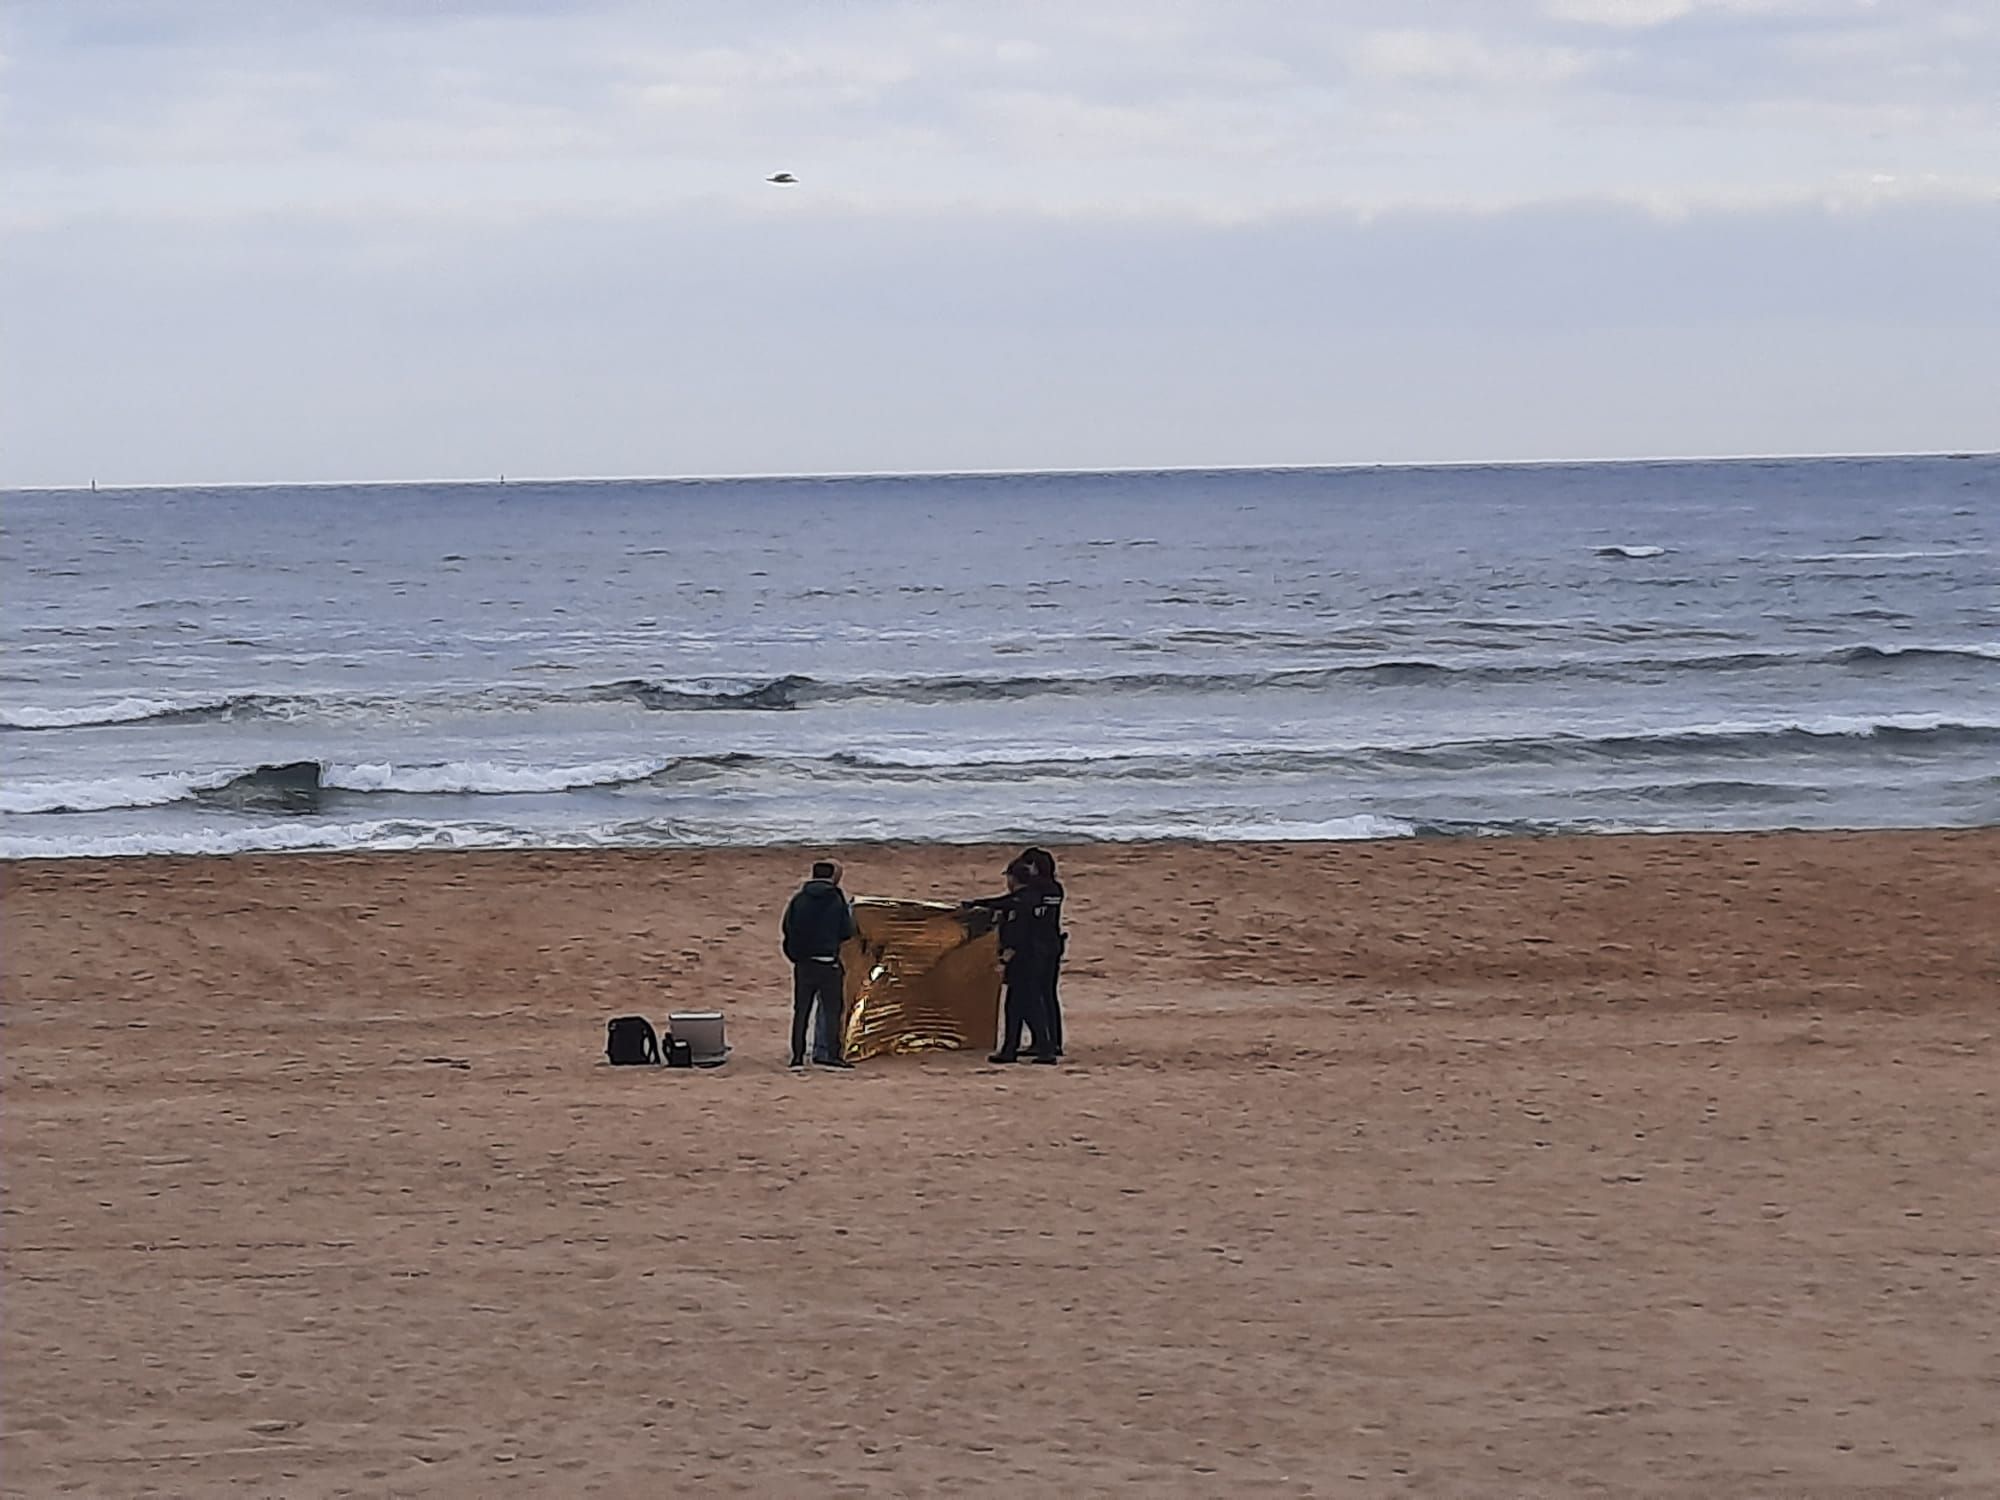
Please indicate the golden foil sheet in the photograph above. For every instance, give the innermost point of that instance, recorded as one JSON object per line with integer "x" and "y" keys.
{"x": 918, "y": 980}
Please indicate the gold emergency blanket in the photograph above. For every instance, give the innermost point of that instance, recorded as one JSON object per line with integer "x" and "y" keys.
{"x": 918, "y": 980}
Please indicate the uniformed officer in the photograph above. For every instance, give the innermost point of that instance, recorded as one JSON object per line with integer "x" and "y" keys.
{"x": 1029, "y": 920}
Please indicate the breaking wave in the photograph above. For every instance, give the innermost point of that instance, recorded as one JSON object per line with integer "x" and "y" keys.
{"x": 778, "y": 693}
{"x": 448, "y": 778}
{"x": 794, "y": 692}
{"x": 1908, "y": 734}
{"x": 96, "y": 796}
{"x": 121, "y": 711}
{"x": 1865, "y": 655}
{"x": 1903, "y": 733}
{"x": 398, "y": 834}
{"x": 489, "y": 778}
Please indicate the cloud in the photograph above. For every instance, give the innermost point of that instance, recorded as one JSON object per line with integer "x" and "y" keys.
{"x": 1622, "y": 14}
{"x": 1225, "y": 110}
{"x": 1463, "y": 57}
{"x": 1644, "y": 14}
{"x": 392, "y": 237}
{"x": 728, "y": 341}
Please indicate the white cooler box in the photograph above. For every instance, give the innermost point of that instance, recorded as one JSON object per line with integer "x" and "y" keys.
{"x": 702, "y": 1031}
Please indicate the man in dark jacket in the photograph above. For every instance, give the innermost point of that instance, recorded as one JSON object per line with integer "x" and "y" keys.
{"x": 1029, "y": 919}
{"x": 818, "y": 921}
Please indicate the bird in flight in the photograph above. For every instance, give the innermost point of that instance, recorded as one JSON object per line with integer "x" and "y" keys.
{"x": 781, "y": 177}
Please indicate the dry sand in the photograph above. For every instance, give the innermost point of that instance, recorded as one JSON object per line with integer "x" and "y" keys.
{"x": 1610, "y": 1166}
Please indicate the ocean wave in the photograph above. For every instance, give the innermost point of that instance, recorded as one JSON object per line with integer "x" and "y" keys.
{"x": 1906, "y": 732}
{"x": 797, "y": 691}
{"x": 1914, "y": 554}
{"x": 119, "y": 711}
{"x": 1869, "y": 655}
{"x": 778, "y": 693}
{"x": 398, "y": 834}
{"x": 1354, "y": 826}
{"x": 448, "y": 778}
{"x": 385, "y": 834}
{"x": 229, "y": 707}
{"x": 1900, "y": 735}
{"x": 489, "y": 778}
{"x": 101, "y": 795}
{"x": 1636, "y": 552}
{"x": 1726, "y": 793}
{"x": 1903, "y": 733}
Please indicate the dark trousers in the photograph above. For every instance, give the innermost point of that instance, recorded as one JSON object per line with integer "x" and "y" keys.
{"x": 821, "y": 985}
{"x": 1055, "y": 1005}
{"x": 1030, "y": 990}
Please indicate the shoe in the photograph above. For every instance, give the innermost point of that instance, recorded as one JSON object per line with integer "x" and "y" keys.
{"x": 1003, "y": 1057}
{"x": 835, "y": 1062}
{"x": 1050, "y": 1058}
{"x": 798, "y": 1062}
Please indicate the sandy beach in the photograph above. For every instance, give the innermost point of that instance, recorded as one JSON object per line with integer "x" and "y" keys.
{"x": 1650, "y": 1165}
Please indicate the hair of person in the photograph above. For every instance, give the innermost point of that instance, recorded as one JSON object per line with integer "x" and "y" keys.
{"x": 825, "y": 869}
{"x": 1040, "y": 861}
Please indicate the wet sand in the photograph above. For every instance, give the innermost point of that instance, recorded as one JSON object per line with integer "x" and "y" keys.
{"x": 1660, "y": 1166}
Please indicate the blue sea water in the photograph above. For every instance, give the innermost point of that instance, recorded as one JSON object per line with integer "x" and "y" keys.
{"x": 1221, "y": 655}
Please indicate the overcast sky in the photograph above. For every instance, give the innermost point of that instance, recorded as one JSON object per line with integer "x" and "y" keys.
{"x": 328, "y": 239}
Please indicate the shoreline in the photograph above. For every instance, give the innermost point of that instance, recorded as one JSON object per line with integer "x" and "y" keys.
{"x": 1058, "y": 842}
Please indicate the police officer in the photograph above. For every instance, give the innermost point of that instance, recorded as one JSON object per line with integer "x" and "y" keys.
{"x": 1044, "y": 864}
{"x": 1029, "y": 920}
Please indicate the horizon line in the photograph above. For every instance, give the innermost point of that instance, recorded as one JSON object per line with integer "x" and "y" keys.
{"x": 499, "y": 480}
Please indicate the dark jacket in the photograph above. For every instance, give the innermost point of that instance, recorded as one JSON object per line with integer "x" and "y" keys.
{"x": 817, "y": 921}
{"x": 1029, "y": 920}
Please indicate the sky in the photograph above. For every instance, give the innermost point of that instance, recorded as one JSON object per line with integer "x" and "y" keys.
{"x": 280, "y": 240}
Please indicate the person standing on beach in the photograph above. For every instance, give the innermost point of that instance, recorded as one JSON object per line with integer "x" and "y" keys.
{"x": 1043, "y": 863}
{"x": 1029, "y": 919}
{"x": 818, "y": 921}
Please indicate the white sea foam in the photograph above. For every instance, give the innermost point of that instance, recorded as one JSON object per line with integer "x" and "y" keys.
{"x": 96, "y": 795}
{"x": 390, "y": 834}
{"x": 1987, "y": 649}
{"x": 291, "y": 838}
{"x": 1631, "y": 551}
{"x": 897, "y": 757}
{"x": 484, "y": 776}
{"x": 1911, "y": 555}
{"x": 120, "y": 711}
{"x": 1829, "y": 726}
{"x": 1275, "y": 831}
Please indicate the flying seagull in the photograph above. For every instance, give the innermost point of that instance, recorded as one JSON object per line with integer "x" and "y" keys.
{"x": 781, "y": 177}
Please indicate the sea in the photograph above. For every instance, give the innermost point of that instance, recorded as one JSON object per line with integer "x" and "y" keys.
{"x": 1241, "y": 654}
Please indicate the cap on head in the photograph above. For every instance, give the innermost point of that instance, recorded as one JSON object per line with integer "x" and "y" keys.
{"x": 825, "y": 869}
